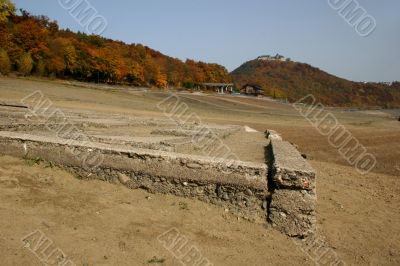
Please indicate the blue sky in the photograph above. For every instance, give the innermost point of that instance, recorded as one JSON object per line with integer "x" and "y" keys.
{"x": 230, "y": 32}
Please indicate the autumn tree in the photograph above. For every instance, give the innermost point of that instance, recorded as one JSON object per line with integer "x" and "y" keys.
{"x": 7, "y": 9}
{"x": 161, "y": 80}
{"x": 40, "y": 68}
{"x": 62, "y": 55}
{"x": 151, "y": 71}
{"x": 70, "y": 57}
{"x": 55, "y": 65}
{"x": 5, "y": 65}
{"x": 31, "y": 36}
{"x": 25, "y": 64}
{"x": 135, "y": 74}
{"x": 36, "y": 41}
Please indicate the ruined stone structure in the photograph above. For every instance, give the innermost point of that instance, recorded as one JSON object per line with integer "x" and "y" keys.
{"x": 292, "y": 208}
{"x": 157, "y": 155}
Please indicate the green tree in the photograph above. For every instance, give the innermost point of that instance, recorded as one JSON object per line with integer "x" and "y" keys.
{"x": 25, "y": 64}
{"x": 7, "y": 8}
{"x": 5, "y": 65}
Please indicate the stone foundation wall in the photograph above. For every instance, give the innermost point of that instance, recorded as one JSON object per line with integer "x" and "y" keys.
{"x": 282, "y": 193}
{"x": 239, "y": 186}
{"x": 293, "y": 187}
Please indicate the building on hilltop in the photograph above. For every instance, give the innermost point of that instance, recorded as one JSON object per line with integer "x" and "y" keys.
{"x": 277, "y": 57}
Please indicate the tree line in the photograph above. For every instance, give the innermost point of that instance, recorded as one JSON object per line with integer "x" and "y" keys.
{"x": 34, "y": 45}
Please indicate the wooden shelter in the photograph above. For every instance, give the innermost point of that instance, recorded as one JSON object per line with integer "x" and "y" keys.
{"x": 221, "y": 88}
{"x": 252, "y": 89}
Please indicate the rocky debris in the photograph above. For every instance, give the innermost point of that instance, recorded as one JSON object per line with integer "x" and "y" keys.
{"x": 248, "y": 192}
{"x": 124, "y": 179}
{"x": 193, "y": 166}
{"x": 272, "y": 135}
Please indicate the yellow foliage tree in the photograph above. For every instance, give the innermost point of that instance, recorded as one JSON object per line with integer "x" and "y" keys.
{"x": 7, "y": 9}
{"x": 70, "y": 57}
{"x": 25, "y": 64}
{"x": 136, "y": 74}
{"x": 5, "y": 65}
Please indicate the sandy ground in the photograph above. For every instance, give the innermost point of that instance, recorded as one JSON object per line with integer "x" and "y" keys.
{"x": 96, "y": 223}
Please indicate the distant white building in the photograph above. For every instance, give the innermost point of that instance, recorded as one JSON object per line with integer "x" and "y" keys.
{"x": 277, "y": 57}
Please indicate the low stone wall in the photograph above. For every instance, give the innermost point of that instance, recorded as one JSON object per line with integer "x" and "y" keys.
{"x": 282, "y": 193}
{"x": 240, "y": 186}
{"x": 27, "y": 127}
{"x": 161, "y": 145}
{"x": 293, "y": 187}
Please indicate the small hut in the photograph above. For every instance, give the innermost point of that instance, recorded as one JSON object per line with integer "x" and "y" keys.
{"x": 252, "y": 89}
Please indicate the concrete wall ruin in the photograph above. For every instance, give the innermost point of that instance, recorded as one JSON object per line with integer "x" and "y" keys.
{"x": 293, "y": 188}
{"x": 282, "y": 192}
{"x": 239, "y": 186}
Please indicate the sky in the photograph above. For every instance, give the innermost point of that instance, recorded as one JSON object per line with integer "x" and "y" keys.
{"x": 231, "y": 32}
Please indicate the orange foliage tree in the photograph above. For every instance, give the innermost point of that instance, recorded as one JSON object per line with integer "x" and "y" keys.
{"x": 66, "y": 54}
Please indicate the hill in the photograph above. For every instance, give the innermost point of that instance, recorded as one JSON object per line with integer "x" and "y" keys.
{"x": 35, "y": 45}
{"x": 293, "y": 80}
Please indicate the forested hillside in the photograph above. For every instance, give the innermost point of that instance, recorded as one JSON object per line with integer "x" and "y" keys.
{"x": 293, "y": 80}
{"x": 34, "y": 45}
